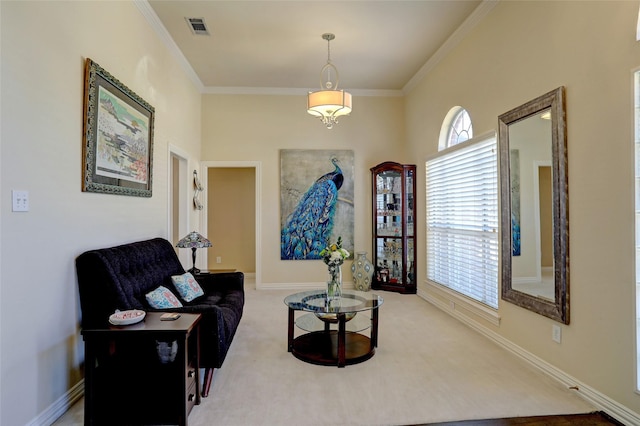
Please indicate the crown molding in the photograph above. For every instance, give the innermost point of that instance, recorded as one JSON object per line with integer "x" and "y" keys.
{"x": 147, "y": 11}
{"x": 280, "y": 91}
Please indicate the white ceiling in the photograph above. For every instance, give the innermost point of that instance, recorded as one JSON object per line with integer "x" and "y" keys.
{"x": 276, "y": 46}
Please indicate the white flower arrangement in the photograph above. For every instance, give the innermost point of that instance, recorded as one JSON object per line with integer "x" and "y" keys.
{"x": 334, "y": 254}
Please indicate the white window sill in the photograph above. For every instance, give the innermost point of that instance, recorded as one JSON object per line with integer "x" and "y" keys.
{"x": 457, "y": 304}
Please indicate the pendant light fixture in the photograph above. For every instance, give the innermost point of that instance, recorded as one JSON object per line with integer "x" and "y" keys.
{"x": 329, "y": 103}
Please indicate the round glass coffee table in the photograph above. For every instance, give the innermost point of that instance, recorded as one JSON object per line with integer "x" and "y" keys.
{"x": 333, "y": 328}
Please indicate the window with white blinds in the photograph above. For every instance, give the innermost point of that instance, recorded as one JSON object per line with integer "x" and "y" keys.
{"x": 462, "y": 219}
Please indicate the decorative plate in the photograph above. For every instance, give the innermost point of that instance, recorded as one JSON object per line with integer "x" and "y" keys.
{"x": 127, "y": 317}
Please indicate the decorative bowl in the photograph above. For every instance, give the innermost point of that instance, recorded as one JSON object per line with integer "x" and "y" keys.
{"x": 333, "y": 318}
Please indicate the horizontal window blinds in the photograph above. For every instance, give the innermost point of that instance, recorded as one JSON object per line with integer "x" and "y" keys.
{"x": 462, "y": 220}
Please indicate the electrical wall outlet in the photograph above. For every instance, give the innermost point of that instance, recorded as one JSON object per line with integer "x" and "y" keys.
{"x": 20, "y": 201}
{"x": 556, "y": 333}
{"x": 219, "y": 259}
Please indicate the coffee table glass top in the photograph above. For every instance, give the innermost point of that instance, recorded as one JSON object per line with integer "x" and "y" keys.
{"x": 350, "y": 301}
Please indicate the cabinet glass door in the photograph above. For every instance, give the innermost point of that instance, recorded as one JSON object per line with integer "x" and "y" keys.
{"x": 409, "y": 203}
{"x": 410, "y": 232}
{"x": 389, "y": 258}
{"x": 389, "y": 204}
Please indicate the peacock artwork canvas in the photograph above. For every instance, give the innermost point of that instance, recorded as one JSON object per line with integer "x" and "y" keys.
{"x": 316, "y": 201}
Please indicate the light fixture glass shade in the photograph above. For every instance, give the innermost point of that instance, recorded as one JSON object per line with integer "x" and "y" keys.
{"x": 194, "y": 240}
{"x": 328, "y": 105}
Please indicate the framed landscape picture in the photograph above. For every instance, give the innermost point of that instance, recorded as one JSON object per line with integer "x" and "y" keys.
{"x": 118, "y": 136}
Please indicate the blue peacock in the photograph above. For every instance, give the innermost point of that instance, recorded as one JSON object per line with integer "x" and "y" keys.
{"x": 308, "y": 228}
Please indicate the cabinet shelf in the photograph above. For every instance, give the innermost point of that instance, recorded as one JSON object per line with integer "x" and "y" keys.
{"x": 393, "y": 212}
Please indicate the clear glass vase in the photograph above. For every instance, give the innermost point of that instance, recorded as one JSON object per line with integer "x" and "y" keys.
{"x": 334, "y": 283}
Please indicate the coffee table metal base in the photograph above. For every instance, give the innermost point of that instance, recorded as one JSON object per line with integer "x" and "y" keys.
{"x": 322, "y": 348}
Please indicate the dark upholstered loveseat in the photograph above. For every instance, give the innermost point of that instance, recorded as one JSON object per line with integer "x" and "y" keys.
{"x": 118, "y": 278}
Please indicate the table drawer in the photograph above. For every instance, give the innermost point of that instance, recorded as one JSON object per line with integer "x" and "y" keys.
{"x": 191, "y": 373}
{"x": 192, "y": 396}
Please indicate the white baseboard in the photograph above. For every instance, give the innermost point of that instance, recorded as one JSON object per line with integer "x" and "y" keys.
{"x": 60, "y": 406}
{"x": 591, "y": 395}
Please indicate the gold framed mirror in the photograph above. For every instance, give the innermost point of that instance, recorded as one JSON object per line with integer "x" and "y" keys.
{"x": 534, "y": 198}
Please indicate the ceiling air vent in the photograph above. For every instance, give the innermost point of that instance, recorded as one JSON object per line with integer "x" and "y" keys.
{"x": 197, "y": 25}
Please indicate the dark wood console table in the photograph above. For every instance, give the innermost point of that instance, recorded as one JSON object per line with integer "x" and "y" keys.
{"x": 144, "y": 373}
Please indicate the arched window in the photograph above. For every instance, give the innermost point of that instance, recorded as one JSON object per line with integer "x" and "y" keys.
{"x": 456, "y": 128}
{"x": 462, "y": 211}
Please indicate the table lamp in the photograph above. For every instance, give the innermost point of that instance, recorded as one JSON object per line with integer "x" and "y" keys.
{"x": 194, "y": 241}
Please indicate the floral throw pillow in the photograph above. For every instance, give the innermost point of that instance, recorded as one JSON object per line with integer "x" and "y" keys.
{"x": 187, "y": 286}
{"x": 162, "y": 298}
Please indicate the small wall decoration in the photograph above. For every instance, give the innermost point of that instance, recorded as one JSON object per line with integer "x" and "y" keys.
{"x": 316, "y": 201}
{"x": 118, "y": 136}
{"x": 198, "y": 188}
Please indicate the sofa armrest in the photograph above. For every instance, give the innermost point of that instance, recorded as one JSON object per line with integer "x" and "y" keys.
{"x": 222, "y": 307}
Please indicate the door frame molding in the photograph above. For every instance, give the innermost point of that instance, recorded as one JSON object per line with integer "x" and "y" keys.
{"x": 183, "y": 204}
{"x": 257, "y": 166}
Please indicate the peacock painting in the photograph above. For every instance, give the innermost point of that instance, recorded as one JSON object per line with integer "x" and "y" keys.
{"x": 315, "y": 210}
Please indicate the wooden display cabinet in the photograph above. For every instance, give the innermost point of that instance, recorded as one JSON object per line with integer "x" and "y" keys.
{"x": 394, "y": 212}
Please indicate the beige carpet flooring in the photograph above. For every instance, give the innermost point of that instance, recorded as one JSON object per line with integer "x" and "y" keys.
{"x": 428, "y": 367}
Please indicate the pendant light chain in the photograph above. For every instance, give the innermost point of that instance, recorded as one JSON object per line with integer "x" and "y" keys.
{"x": 329, "y": 84}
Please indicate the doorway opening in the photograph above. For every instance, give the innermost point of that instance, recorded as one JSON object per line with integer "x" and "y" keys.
{"x": 231, "y": 202}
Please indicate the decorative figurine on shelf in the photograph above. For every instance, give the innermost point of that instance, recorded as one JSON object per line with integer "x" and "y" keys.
{"x": 383, "y": 272}
{"x": 412, "y": 274}
{"x": 395, "y": 272}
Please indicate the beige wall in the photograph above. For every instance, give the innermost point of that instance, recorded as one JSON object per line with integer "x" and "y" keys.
{"x": 520, "y": 51}
{"x": 256, "y": 128}
{"x": 44, "y": 45}
{"x": 231, "y": 218}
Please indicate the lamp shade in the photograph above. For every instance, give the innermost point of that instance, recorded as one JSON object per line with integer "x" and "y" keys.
{"x": 329, "y": 103}
{"x": 194, "y": 240}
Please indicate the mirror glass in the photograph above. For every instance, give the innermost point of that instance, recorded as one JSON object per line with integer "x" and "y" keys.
{"x": 533, "y": 177}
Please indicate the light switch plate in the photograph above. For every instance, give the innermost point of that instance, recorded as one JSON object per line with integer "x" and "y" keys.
{"x": 20, "y": 201}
